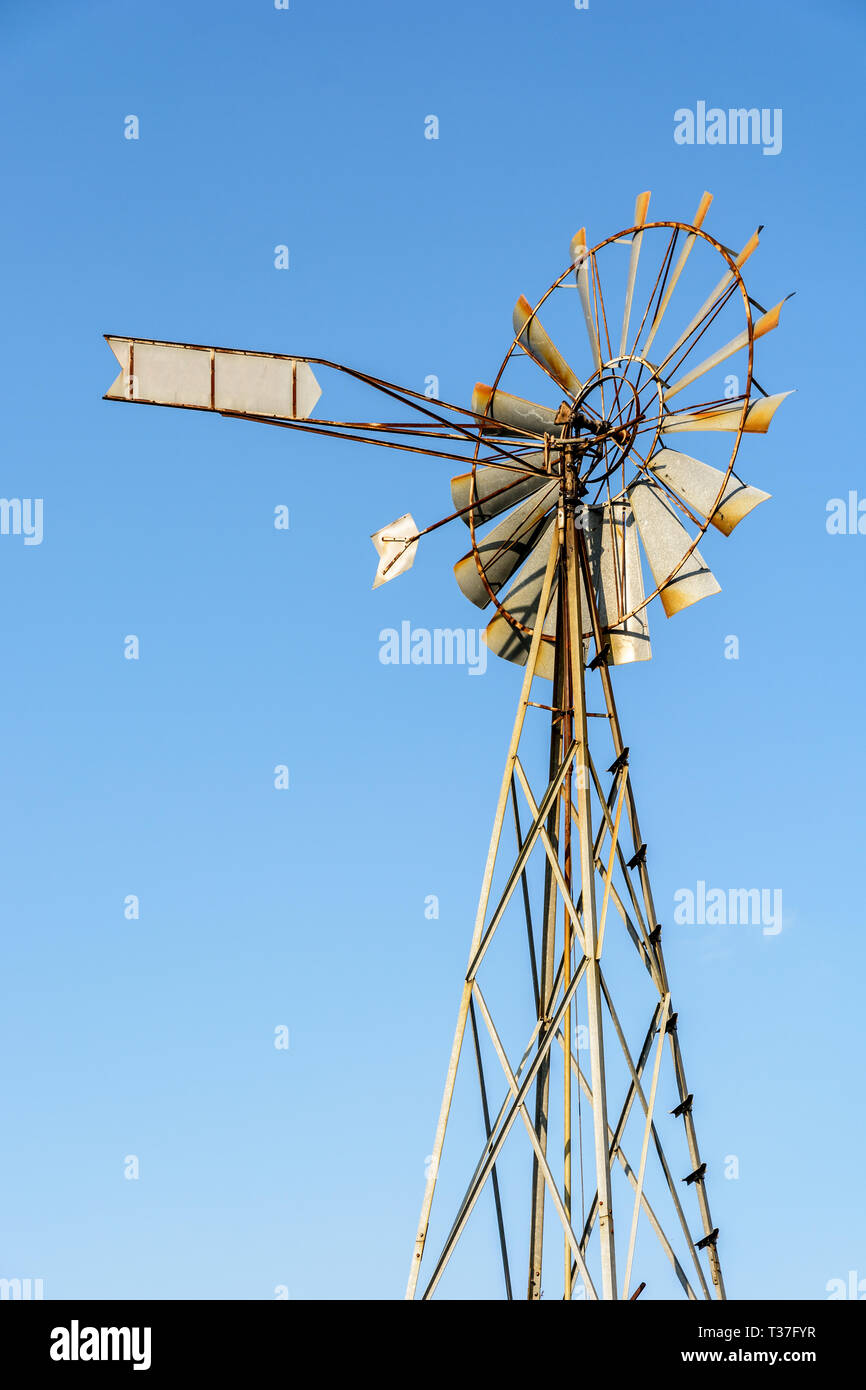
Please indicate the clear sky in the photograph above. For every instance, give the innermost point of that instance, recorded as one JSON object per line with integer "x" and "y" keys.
{"x": 154, "y": 1037}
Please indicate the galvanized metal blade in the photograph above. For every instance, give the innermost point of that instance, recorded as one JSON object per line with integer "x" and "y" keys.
{"x": 697, "y": 221}
{"x": 581, "y": 259}
{"x": 495, "y": 489}
{"x": 640, "y": 212}
{"x": 512, "y": 414}
{"x": 698, "y": 484}
{"x": 765, "y": 324}
{"x": 726, "y": 280}
{"x": 617, "y": 580}
{"x": 207, "y": 378}
{"x": 666, "y": 541}
{"x": 396, "y": 545}
{"x": 504, "y": 549}
{"x": 535, "y": 340}
{"x": 522, "y": 601}
{"x": 727, "y": 417}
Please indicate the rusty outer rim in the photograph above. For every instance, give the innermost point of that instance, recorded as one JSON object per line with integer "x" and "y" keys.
{"x": 515, "y": 347}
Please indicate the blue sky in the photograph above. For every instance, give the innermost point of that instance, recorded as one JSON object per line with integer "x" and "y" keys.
{"x": 305, "y": 908}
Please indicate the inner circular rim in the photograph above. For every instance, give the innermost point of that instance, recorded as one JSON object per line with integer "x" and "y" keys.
{"x": 619, "y": 425}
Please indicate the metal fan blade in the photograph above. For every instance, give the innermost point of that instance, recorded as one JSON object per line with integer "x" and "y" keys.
{"x": 396, "y": 545}
{"x": 511, "y": 414}
{"x": 764, "y": 324}
{"x": 666, "y": 541}
{"x": 699, "y": 485}
{"x": 727, "y": 417}
{"x": 535, "y": 340}
{"x": 581, "y": 260}
{"x": 504, "y": 549}
{"x": 640, "y": 212}
{"x": 505, "y": 641}
{"x": 615, "y": 570}
{"x": 495, "y": 489}
{"x": 522, "y": 600}
{"x": 723, "y": 284}
{"x": 206, "y": 378}
{"x": 697, "y": 221}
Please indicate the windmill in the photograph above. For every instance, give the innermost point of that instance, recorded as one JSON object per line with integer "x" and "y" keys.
{"x": 578, "y": 511}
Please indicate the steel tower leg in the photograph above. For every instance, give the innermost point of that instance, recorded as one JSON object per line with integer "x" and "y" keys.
{"x": 548, "y": 967}
{"x": 582, "y": 801}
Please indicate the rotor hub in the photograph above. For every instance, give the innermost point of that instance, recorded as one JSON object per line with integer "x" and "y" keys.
{"x": 604, "y": 422}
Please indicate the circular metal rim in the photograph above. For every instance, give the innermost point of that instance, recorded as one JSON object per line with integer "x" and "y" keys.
{"x": 591, "y": 254}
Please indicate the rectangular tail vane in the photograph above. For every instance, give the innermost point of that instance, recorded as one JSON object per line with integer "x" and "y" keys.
{"x": 206, "y": 378}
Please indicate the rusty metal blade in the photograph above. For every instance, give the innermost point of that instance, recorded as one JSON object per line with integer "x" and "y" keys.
{"x": 698, "y": 484}
{"x": 522, "y": 600}
{"x": 726, "y": 280}
{"x": 583, "y": 277}
{"x": 727, "y": 417}
{"x": 503, "y": 550}
{"x": 615, "y": 571}
{"x": 640, "y": 212}
{"x": 505, "y": 641}
{"x": 535, "y": 340}
{"x": 512, "y": 414}
{"x": 495, "y": 489}
{"x": 207, "y": 378}
{"x": 396, "y": 545}
{"x": 666, "y": 541}
{"x": 697, "y": 221}
{"x": 765, "y": 324}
